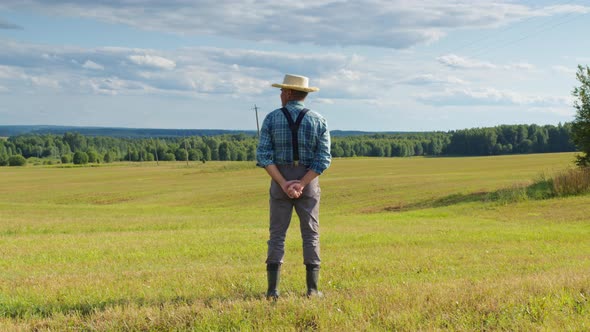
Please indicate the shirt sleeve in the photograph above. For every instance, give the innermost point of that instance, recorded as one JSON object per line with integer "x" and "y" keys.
{"x": 323, "y": 157}
{"x": 264, "y": 151}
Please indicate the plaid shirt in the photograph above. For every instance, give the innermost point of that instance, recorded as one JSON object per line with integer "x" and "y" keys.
{"x": 275, "y": 146}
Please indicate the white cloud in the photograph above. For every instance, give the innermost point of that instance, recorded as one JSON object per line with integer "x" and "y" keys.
{"x": 348, "y": 83}
{"x": 123, "y": 70}
{"x": 191, "y": 71}
{"x": 490, "y": 97}
{"x": 153, "y": 61}
{"x": 565, "y": 111}
{"x": 92, "y": 65}
{"x": 563, "y": 9}
{"x": 325, "y": 101}
{"x": 112, "y": 86}
{"x": 458, "y": 62}
{"x": 395, "y": 24}
{"x": 12, "y": 75}
{"x": 7, "y": 72}
{"x": 455, "y": 61}
{"x": 520, "y": 65}
{"x": 44, "y": 82}
{"x": 430, "y": 79}
{"x": 388, "y": 82}
{"x": 569, "y": 71}
{"x": 312, "y": 64}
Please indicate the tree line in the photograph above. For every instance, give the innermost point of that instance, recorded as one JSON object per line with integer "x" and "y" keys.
{"x": 80, "y": 149}
{"x": 77, "y": 148}
{"x": 505, "y": 139}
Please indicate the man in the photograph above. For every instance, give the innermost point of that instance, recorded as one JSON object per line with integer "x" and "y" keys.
{"x": 294, "y": 149}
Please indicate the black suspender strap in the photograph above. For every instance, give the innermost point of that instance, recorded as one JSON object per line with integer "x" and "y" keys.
{"x": 294, "y": 129}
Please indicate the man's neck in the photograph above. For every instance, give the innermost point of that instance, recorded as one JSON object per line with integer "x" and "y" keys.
{"x": 292, "y": 102}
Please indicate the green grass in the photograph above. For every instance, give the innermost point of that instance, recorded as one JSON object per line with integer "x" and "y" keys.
{"x": 407, "y": 244}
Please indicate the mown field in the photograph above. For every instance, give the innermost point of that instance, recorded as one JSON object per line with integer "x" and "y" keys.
{"x": 407, "y": 244}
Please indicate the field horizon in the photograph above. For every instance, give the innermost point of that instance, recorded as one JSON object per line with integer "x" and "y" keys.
{"x": 407, "y": 244}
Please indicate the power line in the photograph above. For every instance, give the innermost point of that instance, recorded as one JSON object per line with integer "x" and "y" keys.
{"x": 540, "y": 28}
{"x": 550, "y": 23}
{"x": 494, "y": 32}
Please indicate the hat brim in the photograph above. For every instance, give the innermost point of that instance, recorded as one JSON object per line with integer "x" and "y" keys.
{"x": 296, "y": 87}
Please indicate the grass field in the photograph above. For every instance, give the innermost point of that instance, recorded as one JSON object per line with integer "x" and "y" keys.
{"x": 407, "y": 244}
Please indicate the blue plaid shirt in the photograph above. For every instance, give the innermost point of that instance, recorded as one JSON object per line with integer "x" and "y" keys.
{"x": 274, "y": 146}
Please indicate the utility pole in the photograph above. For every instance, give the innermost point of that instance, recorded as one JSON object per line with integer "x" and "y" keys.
{"x": 186, "y": 150}
{"x": 257, "y": 125}
{"x": 156, "y": 153}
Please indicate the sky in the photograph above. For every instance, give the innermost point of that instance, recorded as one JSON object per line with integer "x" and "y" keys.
{"x": 381, "y": 65}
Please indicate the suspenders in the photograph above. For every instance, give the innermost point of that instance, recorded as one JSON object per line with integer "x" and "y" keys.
{"x": 294, "y": 129}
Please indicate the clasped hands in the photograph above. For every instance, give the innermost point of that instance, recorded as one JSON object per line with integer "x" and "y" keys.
{"x": 293, "y": 188}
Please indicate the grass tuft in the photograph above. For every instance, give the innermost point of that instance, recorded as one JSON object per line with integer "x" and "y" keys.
{"x": 514, "y": 194}
{"x": 567, "y": 183}
{"x": 572, "y": 182}
{"x": 575, "y": 181}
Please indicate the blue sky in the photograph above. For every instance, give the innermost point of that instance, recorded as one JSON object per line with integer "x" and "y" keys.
{"x": 380, "y": 65}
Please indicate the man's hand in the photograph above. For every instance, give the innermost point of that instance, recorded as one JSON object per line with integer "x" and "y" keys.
{"x": 295, "y": 190}
{"x": 292, "y": 188}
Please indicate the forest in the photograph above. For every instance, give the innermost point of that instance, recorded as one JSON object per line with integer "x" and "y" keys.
{"x": 80, "y": 149}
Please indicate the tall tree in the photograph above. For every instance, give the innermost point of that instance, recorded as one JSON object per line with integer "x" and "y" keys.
{"x": 581, "y": 125}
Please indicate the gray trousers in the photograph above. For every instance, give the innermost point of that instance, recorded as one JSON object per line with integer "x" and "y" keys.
{"x": 307, "y": 207}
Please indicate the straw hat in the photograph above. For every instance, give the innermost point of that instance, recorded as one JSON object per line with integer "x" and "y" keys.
{"x": 296, "y": 82}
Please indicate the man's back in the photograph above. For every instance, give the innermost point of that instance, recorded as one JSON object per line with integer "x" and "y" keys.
{"x": 275, "y": 144}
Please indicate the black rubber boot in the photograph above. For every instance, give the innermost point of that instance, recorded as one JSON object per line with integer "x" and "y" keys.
{"x": 311, "y": 277}
{"x": 273, "y": 272}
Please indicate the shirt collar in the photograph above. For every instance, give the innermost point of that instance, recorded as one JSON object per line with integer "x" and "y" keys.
{"x": 295, "y": 104}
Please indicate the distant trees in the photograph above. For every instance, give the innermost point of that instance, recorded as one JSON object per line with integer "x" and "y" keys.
{"x": 508, "y": 139}
{"x": 505, "y": 139}
{"x": 76, "y": 141}
{"x": 3, "y": 155}
{"x": 390, "y": 145}
{"x": 581, "y": 124}
{"x": 108, "y": 157}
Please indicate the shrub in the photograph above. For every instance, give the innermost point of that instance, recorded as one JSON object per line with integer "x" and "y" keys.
{"x": 80, "y": 158}
{"x": 541, "y": 189}
{"x": 168, "y": 157}
{"x": 108, "y": 157}
{"x": 195, "y": 154}
{"x": 66, "y": 159}
{"x": 572, "y": 182}
{"x": 93, "y": 156}
{"x": 3, "y": 159}
{"x": 17, "y": 160}
{"x": 181, "y": 154}
{"x": 34, "y": 161}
